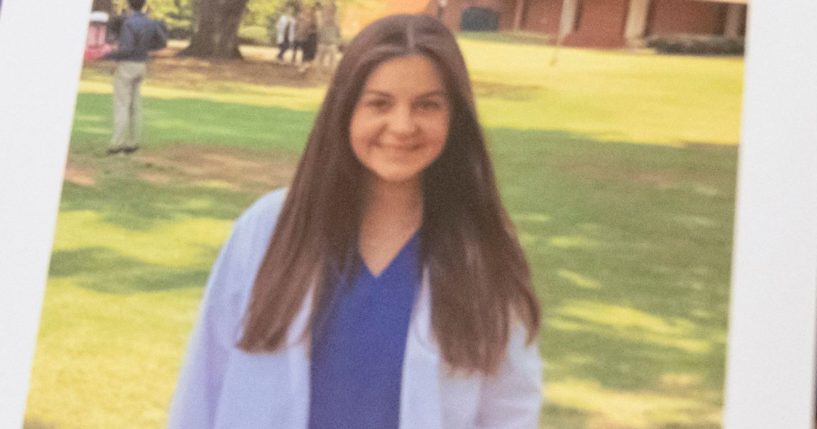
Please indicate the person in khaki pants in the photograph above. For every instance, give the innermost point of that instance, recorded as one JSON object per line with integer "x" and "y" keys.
{"x": 138, "y": 35}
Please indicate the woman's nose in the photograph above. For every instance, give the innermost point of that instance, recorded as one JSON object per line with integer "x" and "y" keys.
{"x": 402, "y": 121}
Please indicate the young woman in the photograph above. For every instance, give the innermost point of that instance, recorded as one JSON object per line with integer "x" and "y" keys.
{"x": 386, "y": 287}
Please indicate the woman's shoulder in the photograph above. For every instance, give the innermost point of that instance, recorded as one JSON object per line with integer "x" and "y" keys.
{"x": 233, "y": 274}
{"x": 263, "y": 213}
{"x": 253, "y": 229}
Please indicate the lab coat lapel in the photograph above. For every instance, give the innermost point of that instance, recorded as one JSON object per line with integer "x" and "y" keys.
{"x": 420, "y": 393}
{"x": 433, "y": 397}
{"x": 298, "y": 359}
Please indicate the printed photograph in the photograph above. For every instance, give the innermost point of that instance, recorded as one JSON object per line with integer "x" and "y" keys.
{"x": 383, "y": 213}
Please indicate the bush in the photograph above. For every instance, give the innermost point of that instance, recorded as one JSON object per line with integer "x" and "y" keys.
{"x": 179, "y": 33}
{"x": 253, "y": 35}
{"x": 178, "y": 28}
{"x": 696, "y": 44}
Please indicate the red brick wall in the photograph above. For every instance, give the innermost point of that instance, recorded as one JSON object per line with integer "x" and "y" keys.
{"x": 542, "y": 16}
{"x": 451, "y": 15}
{"x": 600, "y": 23}
{"x": 506, "y": 10}
{"x": 539, "y": 15}
{"x": 686, "y": 16}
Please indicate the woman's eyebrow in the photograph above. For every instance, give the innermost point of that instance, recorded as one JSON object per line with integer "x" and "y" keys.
{"x": 376, "y": 92}
{"x": 436, "y": 92}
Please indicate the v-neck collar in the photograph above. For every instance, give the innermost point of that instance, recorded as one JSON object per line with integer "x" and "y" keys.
{"x": 410, "y": 243}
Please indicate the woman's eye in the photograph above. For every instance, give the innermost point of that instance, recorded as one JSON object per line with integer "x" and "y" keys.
{"x": 429, "y": 105}
{"x": 378, "y": 104}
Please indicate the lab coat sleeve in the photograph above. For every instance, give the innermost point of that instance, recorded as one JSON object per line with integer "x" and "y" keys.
{"x": 512, "y": 399}
{"x": 196, "y": 399}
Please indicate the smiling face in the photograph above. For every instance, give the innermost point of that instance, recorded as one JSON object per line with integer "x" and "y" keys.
{"x": 400, "y": 122}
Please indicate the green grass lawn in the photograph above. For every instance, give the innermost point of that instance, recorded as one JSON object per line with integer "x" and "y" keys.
{"x": 618, "y": 170}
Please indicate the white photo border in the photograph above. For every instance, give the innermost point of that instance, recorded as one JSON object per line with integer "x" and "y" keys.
{"x": 41, "y": 44}
{"x": 770, "y": 366}
{"x": 771, "y": 359}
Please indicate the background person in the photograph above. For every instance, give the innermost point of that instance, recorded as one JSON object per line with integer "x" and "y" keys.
{"x": 310, "y": 48}
{"x": 386, "y": 288}
{"x": 305, "y": 26}
{"x": 137, "y": 36}
{"x": 328, "y": 40}
{"x": 285, "y": 32}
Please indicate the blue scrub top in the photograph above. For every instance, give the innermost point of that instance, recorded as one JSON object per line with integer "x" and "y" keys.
{"x": 357, "y": 352}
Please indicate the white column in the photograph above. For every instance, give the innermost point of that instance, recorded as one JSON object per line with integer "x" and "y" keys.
{"x": 636, "y": 24}
{"x": 567, "y": 22}
{"x": 734, "y": 16}
{"x": 518, "y": 13}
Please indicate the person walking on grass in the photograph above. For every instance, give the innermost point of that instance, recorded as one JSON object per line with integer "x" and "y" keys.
{"x": 305, "y": 28}
{"x": 137, "y": 36}
{"x": 285, "y": 32}
{"x": 311, "y": 21}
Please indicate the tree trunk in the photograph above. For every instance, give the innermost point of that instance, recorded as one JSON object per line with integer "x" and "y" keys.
{"x": 216, "y": 33}
{"x": 103, "y": 5}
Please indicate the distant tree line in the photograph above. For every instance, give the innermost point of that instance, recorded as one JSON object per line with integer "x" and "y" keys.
{"x": 180, "y": 15}
{"x": 215, "y": 28}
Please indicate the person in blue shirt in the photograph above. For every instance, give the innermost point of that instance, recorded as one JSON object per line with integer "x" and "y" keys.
{"x": 138, "y": 35}
{"x": 385, "y": 288}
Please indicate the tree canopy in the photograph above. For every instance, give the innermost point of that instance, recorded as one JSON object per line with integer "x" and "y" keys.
{"x": 215, "y": 28}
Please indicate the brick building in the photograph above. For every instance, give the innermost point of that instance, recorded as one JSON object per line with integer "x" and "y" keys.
{"x": 592, "y": 23}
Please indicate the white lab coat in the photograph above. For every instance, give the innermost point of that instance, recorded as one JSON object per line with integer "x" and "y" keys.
{"x": 222, "y": 387}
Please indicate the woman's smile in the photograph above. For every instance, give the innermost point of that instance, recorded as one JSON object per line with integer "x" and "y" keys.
{"x": 398, "y": 149}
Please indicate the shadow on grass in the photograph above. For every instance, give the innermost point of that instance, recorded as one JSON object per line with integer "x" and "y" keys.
{"x": 558, "y": 417}
{"x": 135, "y": 204}
{"x": 37, "y": 424}
{"x": 505, "y": 91}
{"x": 196, "y": 121}
{"x": 105, "y": 270}
{"x": 630, "y": 247}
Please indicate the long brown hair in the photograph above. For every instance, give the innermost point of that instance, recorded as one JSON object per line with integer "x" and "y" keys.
{"x": 479, "y": 278}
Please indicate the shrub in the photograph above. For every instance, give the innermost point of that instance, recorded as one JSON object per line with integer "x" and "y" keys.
{"x": 696, "y": 44}
{"x": 178, "y": 28}
{"x": 253, "y": 35}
